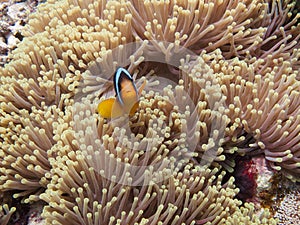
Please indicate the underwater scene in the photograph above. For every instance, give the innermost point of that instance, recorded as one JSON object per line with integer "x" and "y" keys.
{"x": 155, "y": 112}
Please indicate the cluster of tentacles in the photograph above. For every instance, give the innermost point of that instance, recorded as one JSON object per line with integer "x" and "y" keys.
{"x": 222, "y": 84}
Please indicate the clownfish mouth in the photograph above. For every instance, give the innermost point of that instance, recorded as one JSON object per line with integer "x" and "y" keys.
{"x": 127, "y": 96}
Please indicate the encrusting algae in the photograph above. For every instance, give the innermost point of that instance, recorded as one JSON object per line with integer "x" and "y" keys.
{"x": 219, "y": 80}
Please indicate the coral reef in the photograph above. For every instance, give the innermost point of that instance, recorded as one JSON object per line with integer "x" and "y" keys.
{"x": 287, "y": 211}
{"x": 222, "y": 85}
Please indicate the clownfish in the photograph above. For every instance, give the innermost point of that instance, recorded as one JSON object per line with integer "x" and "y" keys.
{"x": 127, "y": 96}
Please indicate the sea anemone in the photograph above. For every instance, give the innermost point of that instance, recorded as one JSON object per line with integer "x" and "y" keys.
{"x": 111, "y": 179}
{"x": 5, "y": 213}
{"x": 27, "y": 139}
{"x": 214, "y": 93}
{"x": 243, "y": 29}
{"x": 265, "y": 101}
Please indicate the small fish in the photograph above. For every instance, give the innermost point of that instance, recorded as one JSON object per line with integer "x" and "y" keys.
{"x": 127, "y": 96}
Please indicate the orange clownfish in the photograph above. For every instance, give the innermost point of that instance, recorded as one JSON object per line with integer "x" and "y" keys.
{"x": 127, "y": 97}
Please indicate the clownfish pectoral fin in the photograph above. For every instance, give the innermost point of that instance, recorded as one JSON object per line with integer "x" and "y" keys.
{"x": 110, "y": 108}
{"x": 134, "y": 109}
